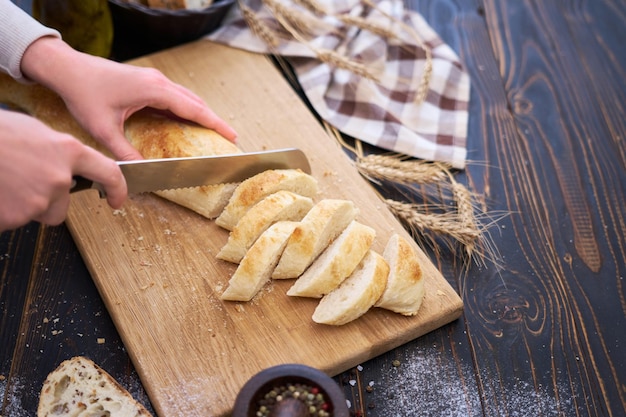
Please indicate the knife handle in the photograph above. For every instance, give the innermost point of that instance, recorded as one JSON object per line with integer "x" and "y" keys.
{"x": 80, "y": 183}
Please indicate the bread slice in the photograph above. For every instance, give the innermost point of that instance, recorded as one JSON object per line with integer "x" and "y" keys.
{"x": 79, "y": 387}
{"x": 282, "y": 205}
{"x": 336, "y": 263}
{"x": 405, "y": 287}
{"x": 256, "y": 188}
{"x": 255, "y": 269}
{"x": 356, "y": 295}
{"x": 322, "y": 224}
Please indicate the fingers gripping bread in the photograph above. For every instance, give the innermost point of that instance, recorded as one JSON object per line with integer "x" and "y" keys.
{"x": 79, "y": 387}
{"x": 356, "y": 295}
{"x": 322, "y": 224}
{"x": 336, "y": 263}
{"x": 256, "y": 188}
{"x": 256, "y": 267}
{"x": 405, "y": 286}
{"x": 282, "y": 205}
{"x": 153, "y": 134}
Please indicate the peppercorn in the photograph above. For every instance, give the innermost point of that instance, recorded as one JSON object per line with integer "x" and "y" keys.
{"x": 312, "y": 400}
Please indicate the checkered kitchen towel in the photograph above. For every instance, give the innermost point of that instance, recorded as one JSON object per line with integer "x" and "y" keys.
{"x": 384, "y": 111}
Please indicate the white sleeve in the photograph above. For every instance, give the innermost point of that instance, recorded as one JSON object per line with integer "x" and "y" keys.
{"x": 17, "y": 31}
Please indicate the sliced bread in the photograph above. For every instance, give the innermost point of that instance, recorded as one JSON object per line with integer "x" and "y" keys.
{"x": 322, "y": 224}
{"x": 255, "y": 269}
{"x": 79, "y": 387}
{"x": 405, "y": 286}
{"x": 356, "y": 294}
{"x": 336, "y": 263}
{"x": 282, "y": 205}
{"x": 256, "y": 188}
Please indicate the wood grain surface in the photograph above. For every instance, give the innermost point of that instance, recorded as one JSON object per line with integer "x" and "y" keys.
{"x": 155, "y": 266}
{"x": 543, "y": 335}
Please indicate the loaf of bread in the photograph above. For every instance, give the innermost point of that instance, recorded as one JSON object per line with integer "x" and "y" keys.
{"x": 356, "y": 295}
{"x": 405, "y": 286}
{"x": 79, "y": 387}
{"x": 255, "y": 269}
{"x": 336, "y": 263}
{"x": 156, "y": 135}
{"x": 151, "y": 132}
{"x": 280, "y": 206}
{"x": 322, "y": 224}
{"x": 256, "y": 188}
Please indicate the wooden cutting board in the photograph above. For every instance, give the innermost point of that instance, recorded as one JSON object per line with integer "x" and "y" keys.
{"x": 155, "y": 267}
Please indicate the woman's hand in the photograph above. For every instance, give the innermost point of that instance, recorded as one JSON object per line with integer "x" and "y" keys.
{"x": 37, "y": 165}
{"x": 102, "y": 94}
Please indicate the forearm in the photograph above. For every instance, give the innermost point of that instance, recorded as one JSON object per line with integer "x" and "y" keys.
{"x": 52, "y": 63}
{"x": 17, "y": 32}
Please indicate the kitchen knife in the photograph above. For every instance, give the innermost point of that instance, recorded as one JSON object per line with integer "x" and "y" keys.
{"x": 170, "y": 173}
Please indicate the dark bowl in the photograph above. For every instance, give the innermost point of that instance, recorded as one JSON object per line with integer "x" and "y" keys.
{"x": 260, "y": 384}
{"x": 138, "y": 29}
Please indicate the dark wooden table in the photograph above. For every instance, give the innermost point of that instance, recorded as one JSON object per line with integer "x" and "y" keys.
{"x": 543, "y": 335}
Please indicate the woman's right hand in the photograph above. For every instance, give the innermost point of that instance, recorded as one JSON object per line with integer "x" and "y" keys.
{"x": 37, "y": 164}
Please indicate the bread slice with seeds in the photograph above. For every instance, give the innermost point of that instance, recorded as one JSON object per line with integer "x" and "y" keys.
{"x": 282, "y": 205}
{"x": 79, "y": 387}
{"x": 336, "y": 263}
{"x": 356, "y": 295}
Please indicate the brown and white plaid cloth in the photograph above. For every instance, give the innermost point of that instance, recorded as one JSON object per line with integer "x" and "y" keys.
{"x": 382, "y": 112}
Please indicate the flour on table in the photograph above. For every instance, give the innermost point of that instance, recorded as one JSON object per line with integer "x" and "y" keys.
{"x": 427, "y": 384}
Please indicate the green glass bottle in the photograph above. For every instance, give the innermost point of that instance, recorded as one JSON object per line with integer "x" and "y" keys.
{"x": 84, "y": 24}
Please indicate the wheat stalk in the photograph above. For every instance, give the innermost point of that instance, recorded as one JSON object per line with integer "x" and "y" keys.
{"x": 424, "y": 84}
{"x": 465, "y": 214}
{"x": 299, "y": 20}
{"x": 398, "y": 169}
{"x": 361, "y": 23}
{"x": 440, "y": 223}
{"x": 312, "y": 6}
{"x": 337, "y": 60}
{"x": 259, "y": 27}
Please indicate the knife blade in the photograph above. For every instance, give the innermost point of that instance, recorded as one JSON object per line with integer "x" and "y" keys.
{"x": 171, "y": 173}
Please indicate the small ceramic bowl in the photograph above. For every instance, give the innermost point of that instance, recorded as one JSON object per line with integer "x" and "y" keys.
{"x": 266, "y": 389}
{"x": 138, "y": 29}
